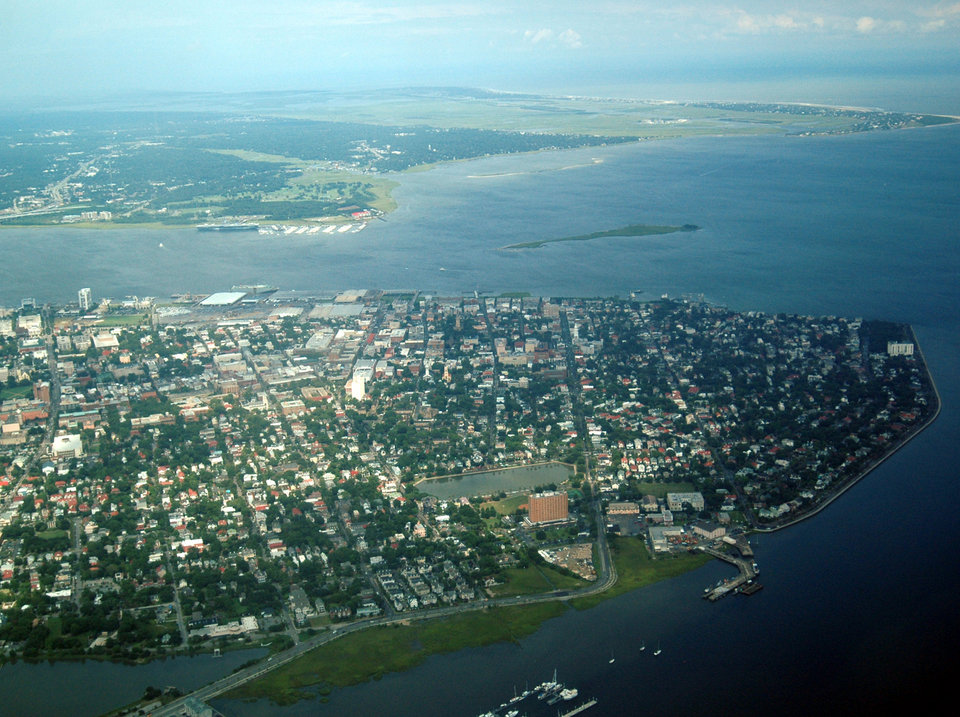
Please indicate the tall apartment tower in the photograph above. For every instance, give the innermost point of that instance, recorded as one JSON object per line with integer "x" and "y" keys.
{"x": 548, "y": 507}
{"x": 85, "y": 299}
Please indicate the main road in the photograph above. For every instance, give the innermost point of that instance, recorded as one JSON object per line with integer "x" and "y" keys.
{"x": 606, "y": 577}
{"x": 44, "y": 447}
{"x": 605, "y": 580}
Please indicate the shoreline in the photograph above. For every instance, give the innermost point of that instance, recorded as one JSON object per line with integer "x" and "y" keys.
{"x": 948, "y": 121}
{"x": 847, "y": 485}
{"x": 517, "y": 605}
{"x": 597, "y": 590}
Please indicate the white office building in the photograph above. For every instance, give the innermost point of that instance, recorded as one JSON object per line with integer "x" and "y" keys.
{"x": 85, "y": 299}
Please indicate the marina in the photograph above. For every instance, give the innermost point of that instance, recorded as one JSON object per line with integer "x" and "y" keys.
{"x": 743, "y": 583}
{"x": 284, "y": 229}
{"x": 537, "y": 702}
{"x": 231, "y": 227}
{"x": 309, "y": 230}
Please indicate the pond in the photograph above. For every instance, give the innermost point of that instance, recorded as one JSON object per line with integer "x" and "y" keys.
{"x": 508, "y": 480}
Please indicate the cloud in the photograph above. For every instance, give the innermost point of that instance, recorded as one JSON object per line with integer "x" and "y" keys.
{"x": 772, "y": 23}
{"x": 940, "y": 10}
{"x": 817, "y": 19}
{"x": 570, "y": 38}
{"x": 867, "y": 25}
{"x": 535, "y": 37}
{"x": 759, "y": 24}
{"x": 545, "y": 37}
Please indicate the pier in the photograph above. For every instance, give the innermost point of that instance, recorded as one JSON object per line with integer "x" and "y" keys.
{"x": 582, "y": 708}
{"x": 743, "y": 545}
{"x": 742, "y": 583}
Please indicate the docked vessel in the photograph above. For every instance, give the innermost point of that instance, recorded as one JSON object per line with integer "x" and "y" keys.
{"x": 256, "y": 289}
{"x": 551, "y": 692}
{"x": 232, "y": 227}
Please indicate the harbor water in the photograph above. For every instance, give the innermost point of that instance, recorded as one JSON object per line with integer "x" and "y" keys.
{"x": 857, "y": 609}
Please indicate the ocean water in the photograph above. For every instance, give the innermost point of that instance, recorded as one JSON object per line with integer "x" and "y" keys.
{"x": 843, "y": 225}
{"x": 858, "y": 605}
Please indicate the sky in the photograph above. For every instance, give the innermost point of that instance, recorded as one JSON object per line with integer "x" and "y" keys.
{"x": 70, "y": 48}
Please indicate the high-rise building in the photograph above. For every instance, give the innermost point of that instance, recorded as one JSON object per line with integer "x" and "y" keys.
{"x": 85, "y": 299}
{"x": 358, "y": 388}
{"x": 41, "y": 391}
{"x": 548, "y": 507}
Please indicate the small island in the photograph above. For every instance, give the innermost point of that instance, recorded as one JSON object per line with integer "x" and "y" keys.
{"x": 633, "y": 230}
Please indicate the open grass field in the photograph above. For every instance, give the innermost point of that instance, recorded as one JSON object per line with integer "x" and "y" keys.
{"x": 52, "y": 534}
{"x": 16, "y": 392}
{"x": 635, "y": 568}
{"x": 660, "y": 490}
{"x": 311, "y": 180}
{"x": 369, "y": 654}
{"x": 507, "y": 506}
{"x": 535, "y": 579}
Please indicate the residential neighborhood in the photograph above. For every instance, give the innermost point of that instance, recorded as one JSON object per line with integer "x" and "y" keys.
{"x": 256, "y": 467}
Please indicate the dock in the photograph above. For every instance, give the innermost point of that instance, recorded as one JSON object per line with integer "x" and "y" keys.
{"x": 582, "y": 708}
{"x": 742, "y": 583}
{"x": 743, "y": 545}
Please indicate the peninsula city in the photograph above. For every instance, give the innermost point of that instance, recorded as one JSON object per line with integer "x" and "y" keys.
{"x": 255, "y": 466}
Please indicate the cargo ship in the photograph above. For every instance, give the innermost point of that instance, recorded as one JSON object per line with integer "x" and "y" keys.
{"x": 255, "y": 289}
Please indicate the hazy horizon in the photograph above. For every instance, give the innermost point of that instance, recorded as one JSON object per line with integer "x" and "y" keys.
{"x": 64, "y": 51}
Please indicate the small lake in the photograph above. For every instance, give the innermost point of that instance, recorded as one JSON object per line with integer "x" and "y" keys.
{"x": 508, "y": 480}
